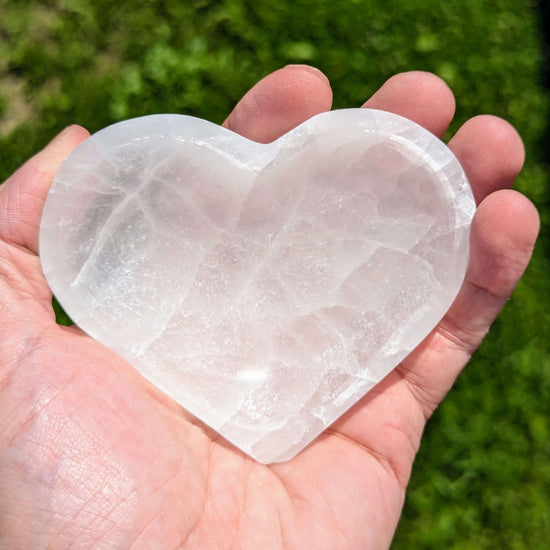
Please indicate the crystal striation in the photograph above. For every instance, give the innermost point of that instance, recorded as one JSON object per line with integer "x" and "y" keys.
{"x": 266, "y": 288}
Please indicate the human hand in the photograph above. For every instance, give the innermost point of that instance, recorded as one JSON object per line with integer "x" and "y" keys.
{"x": 93, "y": 456}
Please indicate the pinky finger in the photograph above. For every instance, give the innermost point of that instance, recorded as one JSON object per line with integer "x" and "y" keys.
{"x": 503, "y": 235}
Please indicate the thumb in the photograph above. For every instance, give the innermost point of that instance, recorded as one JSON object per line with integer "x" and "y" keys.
{"x": 23, "y": 195}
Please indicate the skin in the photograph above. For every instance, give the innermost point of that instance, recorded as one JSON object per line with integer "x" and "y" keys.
{"x": 93, "y": 456}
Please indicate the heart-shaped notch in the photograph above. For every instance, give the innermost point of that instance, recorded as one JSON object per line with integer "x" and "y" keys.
{"x": 266, "y": 288}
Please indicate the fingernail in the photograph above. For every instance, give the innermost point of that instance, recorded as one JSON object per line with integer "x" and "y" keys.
{"x": 310, "y": 69}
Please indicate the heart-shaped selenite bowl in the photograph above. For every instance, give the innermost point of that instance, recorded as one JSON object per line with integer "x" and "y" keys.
{"x": 266, "y": 288}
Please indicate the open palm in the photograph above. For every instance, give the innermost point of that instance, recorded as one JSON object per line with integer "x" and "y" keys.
{"x": 93, "y": 456}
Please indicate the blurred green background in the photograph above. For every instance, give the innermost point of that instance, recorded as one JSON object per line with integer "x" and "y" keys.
{"x": 482, "y": 478}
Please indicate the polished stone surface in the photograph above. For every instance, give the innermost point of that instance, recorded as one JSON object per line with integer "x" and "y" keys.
{"x": 266, "y": 288}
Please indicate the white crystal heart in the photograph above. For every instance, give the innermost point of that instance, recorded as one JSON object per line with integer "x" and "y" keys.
{"x": 266, "y": 288}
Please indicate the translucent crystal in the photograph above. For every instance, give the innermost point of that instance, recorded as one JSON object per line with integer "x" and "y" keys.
{"x": 266, "y": 288}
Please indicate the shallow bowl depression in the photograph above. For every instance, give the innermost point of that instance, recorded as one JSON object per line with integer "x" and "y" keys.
{"x": 266, "y": 288}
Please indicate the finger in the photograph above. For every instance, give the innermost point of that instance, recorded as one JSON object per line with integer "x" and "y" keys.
{"x": 279, "y": 102}
{"x": 491, "y": 153}
{"x": 419, "y": 96}
{"x": 389, "y": 420}
{"x": 503, "y": 235}
{"x": 22, "y": 196}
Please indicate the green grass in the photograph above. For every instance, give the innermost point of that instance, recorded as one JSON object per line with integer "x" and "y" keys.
{"x": 482, "y": 478}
